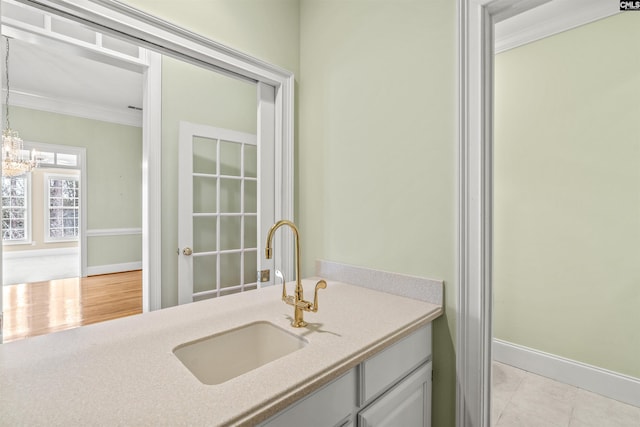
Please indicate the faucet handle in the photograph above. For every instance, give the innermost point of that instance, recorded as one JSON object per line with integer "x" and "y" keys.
{"x": 285, "y": 297}
{"x": 322, "y": 284}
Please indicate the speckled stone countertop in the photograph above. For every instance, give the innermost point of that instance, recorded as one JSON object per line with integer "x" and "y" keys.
{"x": 123, "y": 372}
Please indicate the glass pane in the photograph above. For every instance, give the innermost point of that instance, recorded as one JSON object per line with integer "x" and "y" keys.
{"x": 204, "y": 234}
{"x": 203, "y": 297}
{"x": 204, "y": 273}
{"x": 250, "y": 232}
{"x": 46, "y": 158}
{"x": 230, "y": 232}
{"x": 204, "y": 155}
{"x": 229, "y": 292}
{"x": 230, "y": 195}
{"x": 67, "y": 159}
{"x": 250, "y": 267}
{"x": 119, "y": 45}
{"x": 250, "y": 161}
{"x": 230, "y": 158}
{"x": 17, "y": 213}
{"x": 250, "y": 196}
{"x": 204, "y": 194}
{"x": 230, "y": 270}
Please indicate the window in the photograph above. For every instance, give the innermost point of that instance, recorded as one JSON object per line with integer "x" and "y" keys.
{"x": 63, "y": 202}
{"x": 56, "y": 158}
{"x": 15, "y": 218}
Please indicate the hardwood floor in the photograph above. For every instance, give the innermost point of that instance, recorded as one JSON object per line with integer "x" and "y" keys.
{"x": 40, "y": 308}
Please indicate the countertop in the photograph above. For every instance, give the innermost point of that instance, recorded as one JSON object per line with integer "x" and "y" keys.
{"x": 123, "y": 372}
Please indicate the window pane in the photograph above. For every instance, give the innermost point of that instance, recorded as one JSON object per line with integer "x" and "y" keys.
{"x": 230, "y": 232}
{"x": 204, "y": 194}
{"x": 14, "y": 204}
{"x": 63, "y": 208}
{"x": 250, "y": 161}
{"x": 230, "y": 155}
{"x": 230, "y": 195}
{"x": 46, "y": 158}
{"x": 204, "y": 273}
{"x": 204, "y": 155}
{"x": 230, "y": 269}
{"x": 67, "y": 159}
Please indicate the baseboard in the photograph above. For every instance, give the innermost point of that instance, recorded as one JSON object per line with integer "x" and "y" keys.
{"x": 113, "y": 268}
{"x": 601, "y": 381}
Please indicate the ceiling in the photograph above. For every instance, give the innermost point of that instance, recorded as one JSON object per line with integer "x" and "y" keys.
{"x": 58, "y": 65}
{"x": 47, "y": 72}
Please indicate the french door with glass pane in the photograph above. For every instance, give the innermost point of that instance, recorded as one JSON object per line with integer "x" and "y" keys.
{"x": 219, "y": 218}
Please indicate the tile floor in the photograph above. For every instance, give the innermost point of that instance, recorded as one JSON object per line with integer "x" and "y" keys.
{"x": 523, "y": 399}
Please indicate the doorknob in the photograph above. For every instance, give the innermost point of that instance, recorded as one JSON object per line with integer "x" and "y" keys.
{"x": 187, "y": 251}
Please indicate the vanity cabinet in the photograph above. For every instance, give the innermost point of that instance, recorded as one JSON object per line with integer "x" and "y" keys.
{"x": 406, "y": 404}
{"x": 392, "y": 388}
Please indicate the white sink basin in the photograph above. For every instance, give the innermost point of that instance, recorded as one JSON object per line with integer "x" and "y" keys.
{"x": 219, "y": 358}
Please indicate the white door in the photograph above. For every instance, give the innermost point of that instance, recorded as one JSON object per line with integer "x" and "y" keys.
{"x": 227, "y": 198}
{"x": 220, "y": 178}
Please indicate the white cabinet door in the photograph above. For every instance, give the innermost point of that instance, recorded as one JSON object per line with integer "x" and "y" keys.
{"x": 408, "y": 404}
{"x": 330, "y": 406}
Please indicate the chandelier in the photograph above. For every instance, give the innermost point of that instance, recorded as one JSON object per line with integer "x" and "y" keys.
{"x": 15, "y": 159}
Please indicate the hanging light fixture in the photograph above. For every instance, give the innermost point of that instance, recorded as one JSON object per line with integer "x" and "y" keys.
{"x": 15, "y": 159}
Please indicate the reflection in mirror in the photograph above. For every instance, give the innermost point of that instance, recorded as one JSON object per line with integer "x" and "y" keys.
{"x": 76, "y": 96}
{"x": 209, "y": 146}
{"x": 255, "y": 105}
{"x": 91, "y": 98}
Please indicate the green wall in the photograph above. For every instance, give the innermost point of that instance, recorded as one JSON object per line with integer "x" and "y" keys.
{"x": 114, "y": 175}
{"x": 376, "y": 154}
{"x": 567, "y": 195}
{"x": 375, "y": 132}
{"x": 196, "y": 95}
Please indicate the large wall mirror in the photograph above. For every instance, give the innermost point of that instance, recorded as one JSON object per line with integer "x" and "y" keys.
{"x": 162, "y": 159}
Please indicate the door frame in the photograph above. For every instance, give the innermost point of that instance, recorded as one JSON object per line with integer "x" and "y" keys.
{"x": 154, "y": 33}
{"x": 476, "y": 50}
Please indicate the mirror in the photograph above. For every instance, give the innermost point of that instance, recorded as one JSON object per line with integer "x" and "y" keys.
{"x": 180, "y": 81}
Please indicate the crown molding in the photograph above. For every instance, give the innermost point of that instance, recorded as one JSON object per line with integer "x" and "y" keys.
{"x": 548, "y": 19}
{"x": 77, "y": 109}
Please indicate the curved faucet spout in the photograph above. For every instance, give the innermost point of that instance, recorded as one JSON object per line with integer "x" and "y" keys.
{"x": 297, "y": 300}
{"x": 268, "y": 251}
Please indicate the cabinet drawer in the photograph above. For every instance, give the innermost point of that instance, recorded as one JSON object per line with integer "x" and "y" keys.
{"x": 392, "y": 364}
{"x": 329, "y": 406}
{"x": 407, "y": 404}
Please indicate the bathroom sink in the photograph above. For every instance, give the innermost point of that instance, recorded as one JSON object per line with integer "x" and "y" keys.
{"x": 219, "y": 358}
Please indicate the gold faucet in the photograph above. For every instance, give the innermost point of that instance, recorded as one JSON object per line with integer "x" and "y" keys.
{"x": 297, "y": 299}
